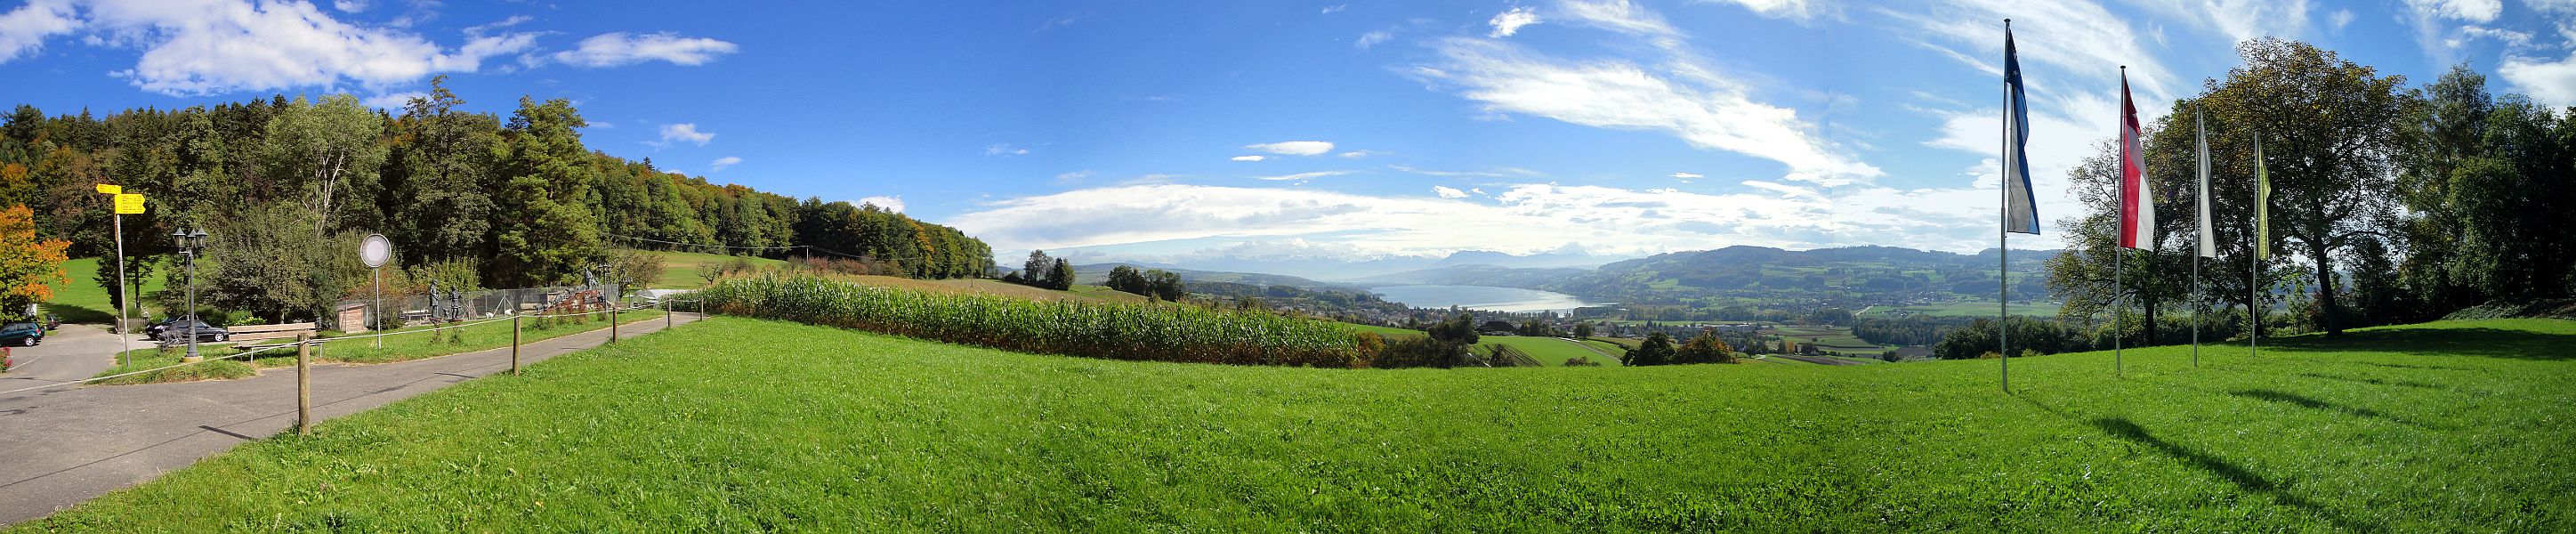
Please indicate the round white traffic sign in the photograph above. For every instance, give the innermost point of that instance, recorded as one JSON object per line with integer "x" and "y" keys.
{"x": 375, "y": 251}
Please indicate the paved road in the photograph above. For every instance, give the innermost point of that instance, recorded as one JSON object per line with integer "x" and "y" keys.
{"x": 63, "y": 446}
{"x": 73, "y": 353}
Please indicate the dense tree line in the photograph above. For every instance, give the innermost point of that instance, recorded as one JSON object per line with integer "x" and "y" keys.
{"x": 1155, "y": 283}
{"x": 2389, "y": 204}
{"x": 285, "y": 187}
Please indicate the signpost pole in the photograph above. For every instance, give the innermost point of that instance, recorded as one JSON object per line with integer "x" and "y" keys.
{"x": 126, "y": 298}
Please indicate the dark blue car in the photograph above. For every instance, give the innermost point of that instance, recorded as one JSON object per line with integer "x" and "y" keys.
{"x": 22, "y": 334}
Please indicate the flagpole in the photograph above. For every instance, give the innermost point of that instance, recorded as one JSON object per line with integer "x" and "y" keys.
{"x": 2003, "y": 239}
{"x": 2119, "y": 251}
{"x": 2199, "y": 231}
{"x": 2254, "y": 285}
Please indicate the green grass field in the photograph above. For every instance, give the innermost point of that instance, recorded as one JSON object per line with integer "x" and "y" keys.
{"x": 2440, "y": 427}
{"x": 83, "y": 301}
{"x": 358, "y": 348}
{"x": 1547, "y": 350}
{"x": 685, "y": 270}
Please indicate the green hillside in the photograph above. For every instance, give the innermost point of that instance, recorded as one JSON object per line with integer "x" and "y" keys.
{"x": 2438, "y": 427}
{"x": 83, "y": 301}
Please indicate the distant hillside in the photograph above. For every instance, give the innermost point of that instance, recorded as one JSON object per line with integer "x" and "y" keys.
{"x": 1774, "y": 278}
{"x": 1476, "y": 275}
{"x": 1098, "y": 274}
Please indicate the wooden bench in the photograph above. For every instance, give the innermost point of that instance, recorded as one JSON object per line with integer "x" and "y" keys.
{"x": 269, "y": 331}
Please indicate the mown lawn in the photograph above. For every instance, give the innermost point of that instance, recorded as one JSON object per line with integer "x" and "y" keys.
{"x": 83, "y": 301}
{"x": 2440, "y": 427}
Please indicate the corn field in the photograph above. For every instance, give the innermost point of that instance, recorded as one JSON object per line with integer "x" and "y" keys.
{"x": 1097, "y": 330}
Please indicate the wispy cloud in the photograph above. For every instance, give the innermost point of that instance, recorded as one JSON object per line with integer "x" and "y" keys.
{"x": 1695, "y": 105}
{"x": 619, "y": 48}
{"x": 889, "y": 202}
{"x": 1498, "y": 172}
{"x": 1448, "y": 192}
{"x": 1005, "y": 149}
{"x": 1511, "y": 20}
{"x": 1303, "y": 176}
{"x": 721, "y": 163}
{"x": 1249, "y": 158}
{"x": 1372, "y": 38}
{"x": 215, "y": 46}
{"x": 1686, "y": 177}
{"x": 1075, "y": 175}
{"x": 684, "y": 133}
{"x": 1293, "y": 148}
{"x": 1336, "y": 8}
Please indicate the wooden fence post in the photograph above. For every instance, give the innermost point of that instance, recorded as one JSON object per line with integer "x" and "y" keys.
{"x": 304, "y": 384}
{"x": 514, "y": 344}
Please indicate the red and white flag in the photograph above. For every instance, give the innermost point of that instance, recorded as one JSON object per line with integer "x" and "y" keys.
{"x": 2137, "y": 205}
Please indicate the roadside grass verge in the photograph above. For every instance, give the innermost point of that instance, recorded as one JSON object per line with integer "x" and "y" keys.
{"x": 400, "y": 345}
{"x": 820, "y": 429}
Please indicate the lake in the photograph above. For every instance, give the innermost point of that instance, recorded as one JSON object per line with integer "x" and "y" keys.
{"x": 1504, "y": 299}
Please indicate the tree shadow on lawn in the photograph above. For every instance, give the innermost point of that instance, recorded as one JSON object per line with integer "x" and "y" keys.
{"x": 2376, "y": 381}
{"x": 79, "y": 314}
{"x": 2482, "y": 342}
{"x": 2304, "y": 401}
{"x": 2247, "y": 480}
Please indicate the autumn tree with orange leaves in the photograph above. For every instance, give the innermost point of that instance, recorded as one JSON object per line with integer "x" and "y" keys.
{"x": 27, "y": 266}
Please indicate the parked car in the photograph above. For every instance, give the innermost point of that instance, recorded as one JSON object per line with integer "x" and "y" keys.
{"x": 179, "y": 332}
{"x": 52, "y": 322}
{"x": 154, "y": 330}
{"x": 22, "y": 334}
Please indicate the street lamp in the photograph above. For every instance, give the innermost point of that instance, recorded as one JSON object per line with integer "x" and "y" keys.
{"x": 607, "y": 280}
{"x": 190, "y": 240}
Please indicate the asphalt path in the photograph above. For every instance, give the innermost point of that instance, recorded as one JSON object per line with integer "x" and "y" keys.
{"x": 70, "y": 354}
{"x": 61, "y": 446}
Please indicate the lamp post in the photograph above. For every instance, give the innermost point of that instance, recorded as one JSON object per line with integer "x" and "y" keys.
{"x": 190, "y": 240}
{"x": 609, "y": 288}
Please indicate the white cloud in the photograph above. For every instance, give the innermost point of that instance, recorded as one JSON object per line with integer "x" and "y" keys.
{"x": 889, "y": 202}
{"x": 212, "y": 46}
{"x": 1497, "y": 172}
{"x": 392, "y": 101}
{"x": 2239, "y": 20}
{"x": 2340, "y": 18}
{"x": 619, "y": 48}
{"x": 1693, "y": 104}
{"x": 1778, "y": 9}
{"x": 2551, "y": 83}
{"x": 1372, "y": 38}
{"x": 1337, "y": 8}
{"x": 2079, "y": 39}
{"x": 1303, "y": 176}
{"x": 1355, "y": 154}
{"x": 1005, "y": 150}
{"x": 686, "y": 133}
{"x": 1248, "y": 158}
{"x": 1448, "y": 192}
{"x": 721, "y": 163}
{"x": 1510, "y": 21}
{"x": 1619, "y": 16}
{"x": 1075, "y": 175}
{"x": 1542, "y": 217}
{"x": 1293, "y": 148}
{"x": 2461, "y": 10}
{"x": 601, "y": 125}
{"x": 350, "y": 6}
{"x": 1686, "y": 177}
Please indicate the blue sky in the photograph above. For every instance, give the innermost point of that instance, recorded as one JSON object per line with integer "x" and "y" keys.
{"x": 1168, "y": 131}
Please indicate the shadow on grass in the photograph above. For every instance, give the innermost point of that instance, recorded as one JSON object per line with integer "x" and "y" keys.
{"x": 79, "y": 314}
{"x": 2304, "y": 401}
{"x": 2484, "y": 342}
{"x": 2220, "y": 467}
{"x": 2375, "y": 381}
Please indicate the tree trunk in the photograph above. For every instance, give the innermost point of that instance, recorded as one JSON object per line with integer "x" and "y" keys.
{"x": 2326, "y": 309}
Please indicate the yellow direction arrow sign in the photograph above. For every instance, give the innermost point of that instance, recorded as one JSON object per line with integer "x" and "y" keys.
{"x": 111, "y": 189}
{"x": 128, "y": 204}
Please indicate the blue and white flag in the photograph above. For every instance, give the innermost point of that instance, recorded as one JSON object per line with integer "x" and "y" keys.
{"x": 2021, "y": 213}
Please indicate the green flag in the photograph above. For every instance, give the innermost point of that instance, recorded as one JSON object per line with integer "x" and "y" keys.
{"x": 2262, "y": 205}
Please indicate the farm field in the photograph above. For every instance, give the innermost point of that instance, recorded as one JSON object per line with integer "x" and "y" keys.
{"x": 686, "y": 270}
{"x": 1830, "y": 338}
{"x": 2436, "y": 427}
{"x": 1549, "y": 351}
{"x": 1969, "y": 309}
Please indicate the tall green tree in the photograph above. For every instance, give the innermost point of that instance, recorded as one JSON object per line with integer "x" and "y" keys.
{"x": 327, "y": 156}
{"x": 554, "y": 236}
{"x": 444, "y": 156}
{"x": 2329, "y": 129}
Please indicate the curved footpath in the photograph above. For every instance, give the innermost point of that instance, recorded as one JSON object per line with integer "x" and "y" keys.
{"x": 64, "y": 446}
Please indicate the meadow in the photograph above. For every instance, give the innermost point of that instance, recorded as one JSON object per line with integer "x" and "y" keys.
{"x": 83, "y": 301}
{"x": 2436, "y": 427}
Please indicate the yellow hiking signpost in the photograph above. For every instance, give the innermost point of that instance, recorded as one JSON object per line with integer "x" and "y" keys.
{"x": 128, "y": 203}
{"x": 110, "y": 189}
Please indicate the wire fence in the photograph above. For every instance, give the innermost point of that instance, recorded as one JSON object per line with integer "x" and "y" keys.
{"x": 398, "y": 311}
{"x": 246, "y": 354}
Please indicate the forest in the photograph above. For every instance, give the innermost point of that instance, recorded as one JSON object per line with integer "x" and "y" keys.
{"x": 285, "y": 188}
